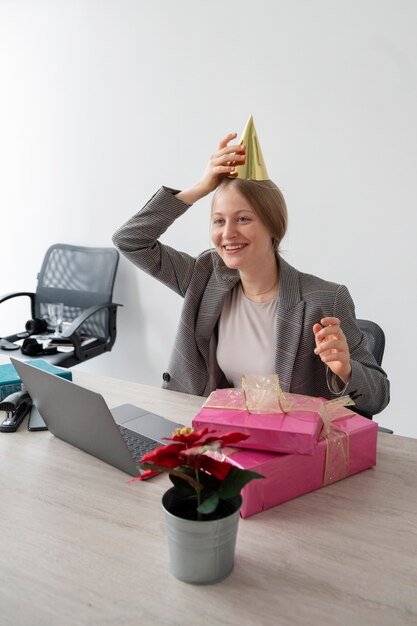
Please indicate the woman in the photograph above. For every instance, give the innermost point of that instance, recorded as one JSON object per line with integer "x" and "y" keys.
{"x": 245, "y": 309}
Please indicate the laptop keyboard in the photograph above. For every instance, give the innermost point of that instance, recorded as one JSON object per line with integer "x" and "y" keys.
{"x": 137, "y": 444}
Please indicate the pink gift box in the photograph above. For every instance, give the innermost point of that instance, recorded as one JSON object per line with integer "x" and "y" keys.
{"x": 294, "y": 432}
{"x": 290, "y": 475}
{"x": 274, "y": 422}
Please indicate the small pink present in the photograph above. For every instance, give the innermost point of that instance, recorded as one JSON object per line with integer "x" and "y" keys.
{"x": 349, "y": 448}
{"x": 274, "y": 421}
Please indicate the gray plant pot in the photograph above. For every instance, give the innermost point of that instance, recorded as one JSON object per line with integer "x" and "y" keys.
{"x": 201, "y": 552}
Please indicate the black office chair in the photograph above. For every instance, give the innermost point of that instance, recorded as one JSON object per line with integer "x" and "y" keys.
{"x": 375, "y": 340}
{"x": 82, "y": 278}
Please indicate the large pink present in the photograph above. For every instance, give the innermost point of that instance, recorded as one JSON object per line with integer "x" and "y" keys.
{"x": 349, "y": 448}
{"x": 274, "y": 421}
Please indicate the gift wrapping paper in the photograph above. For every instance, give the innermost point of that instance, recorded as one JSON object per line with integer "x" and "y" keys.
{"x": 349, "y": 448}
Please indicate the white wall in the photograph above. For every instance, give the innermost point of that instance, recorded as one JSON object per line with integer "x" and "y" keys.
{"x": 103, "y": 101}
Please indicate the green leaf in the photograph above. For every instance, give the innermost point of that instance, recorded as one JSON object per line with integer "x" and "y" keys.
{"x": 209, "y": 505}
{"x": 235, "y": 481}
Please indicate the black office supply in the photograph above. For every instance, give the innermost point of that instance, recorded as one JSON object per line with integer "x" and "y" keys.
{"x": 12, "y": 402}
{"x": 36, "y": 326}
{"x": 13, "y": 420}
{"x": 32, "y": 347}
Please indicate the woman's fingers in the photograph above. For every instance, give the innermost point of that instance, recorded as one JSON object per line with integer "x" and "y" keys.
{"x": 332, "y": 347}
{"x": 222, "y": 163}
{"x": 328, "y": 331}
{"x": 235, "y": 148}
{"x": 330, "y": 338}
{"x": 228, "y": 159}
{"x": 330, "y": 321}
{"x": 229, "y": 154}
{"x": 223, "y": 142}
{"x": 335, "y": 358}
{"x": 224, "y": 169}
{"x": 316, "y": 329}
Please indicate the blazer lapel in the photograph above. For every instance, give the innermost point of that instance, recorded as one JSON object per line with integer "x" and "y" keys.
{"x": 290, "y": 319}
{"x": 211, "y": 306}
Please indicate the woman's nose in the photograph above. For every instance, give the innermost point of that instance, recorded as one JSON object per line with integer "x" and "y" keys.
{"x": 229, "y": 230}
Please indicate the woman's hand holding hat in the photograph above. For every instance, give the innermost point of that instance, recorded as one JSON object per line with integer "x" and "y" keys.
{"x": 221, "y": 165}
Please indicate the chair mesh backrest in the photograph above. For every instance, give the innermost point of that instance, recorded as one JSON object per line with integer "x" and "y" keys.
{"x": 79, "y": 277}
{"x": 375, "y": 338}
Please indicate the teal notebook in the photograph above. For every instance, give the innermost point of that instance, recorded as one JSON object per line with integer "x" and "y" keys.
{"x": 10, "y": 381}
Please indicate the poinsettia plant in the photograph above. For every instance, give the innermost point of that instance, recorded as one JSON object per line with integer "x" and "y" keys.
{"x": 189, "y": 462}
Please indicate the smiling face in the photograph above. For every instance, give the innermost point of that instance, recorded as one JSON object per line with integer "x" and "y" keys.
{"x": 238, "y": 234}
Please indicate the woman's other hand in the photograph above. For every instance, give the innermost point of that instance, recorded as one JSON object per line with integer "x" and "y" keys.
{"x": 332, "y": 347}
{"x": 221, "y": 164}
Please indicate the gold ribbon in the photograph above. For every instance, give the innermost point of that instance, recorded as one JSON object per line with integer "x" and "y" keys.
{"x": 332, "y": 410}
{"x": 263, "y": 394}
{"x": 336, "y": 464}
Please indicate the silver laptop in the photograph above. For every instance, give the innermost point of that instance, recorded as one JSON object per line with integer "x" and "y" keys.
{"x": 82, "y": 418}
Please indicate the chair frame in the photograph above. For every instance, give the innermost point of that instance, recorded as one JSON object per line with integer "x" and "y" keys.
{"x": 368, "y": 327}
{"x": 80, "y": 353}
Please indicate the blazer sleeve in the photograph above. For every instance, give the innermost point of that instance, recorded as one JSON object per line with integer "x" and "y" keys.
{"x": 138, "y": 241}
{"x": 368, "y": 381}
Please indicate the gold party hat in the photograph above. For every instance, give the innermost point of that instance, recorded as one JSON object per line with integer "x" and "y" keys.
{"x": 254, "y": 167}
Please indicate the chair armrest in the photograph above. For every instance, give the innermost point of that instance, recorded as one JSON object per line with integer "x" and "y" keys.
{"x": 16, "y": 294}
{"x": 381, "y": 429}
{"x": 71, "y": 331}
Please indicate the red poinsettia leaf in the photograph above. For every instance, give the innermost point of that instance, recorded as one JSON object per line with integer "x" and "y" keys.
{"x": 165, "y": 456}
{"x": 219, "y": 469}
{"x": 191, "y": 438}
{"x": 226, "y": 439}
{"x": 148, "y": 474}
{"x": 194, "y": 451}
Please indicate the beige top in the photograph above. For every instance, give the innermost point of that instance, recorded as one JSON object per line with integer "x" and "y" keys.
{"x": 246, "y": 343}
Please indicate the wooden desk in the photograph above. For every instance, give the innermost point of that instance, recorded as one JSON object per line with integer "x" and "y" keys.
{"x": 81, "y": 545}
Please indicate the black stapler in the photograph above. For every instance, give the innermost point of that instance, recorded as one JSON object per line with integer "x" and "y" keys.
{"x": 17, "y": 406}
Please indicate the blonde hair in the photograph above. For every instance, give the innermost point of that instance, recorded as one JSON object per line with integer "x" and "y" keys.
{"x": 266, "y": 200}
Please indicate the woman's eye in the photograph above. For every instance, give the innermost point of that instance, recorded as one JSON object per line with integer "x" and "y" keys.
{"x": 243, "y": 219}
{"x": 218, "y": 222}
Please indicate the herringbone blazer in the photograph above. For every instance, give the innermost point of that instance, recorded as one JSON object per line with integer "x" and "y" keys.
{"x": 204, "y": 281}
